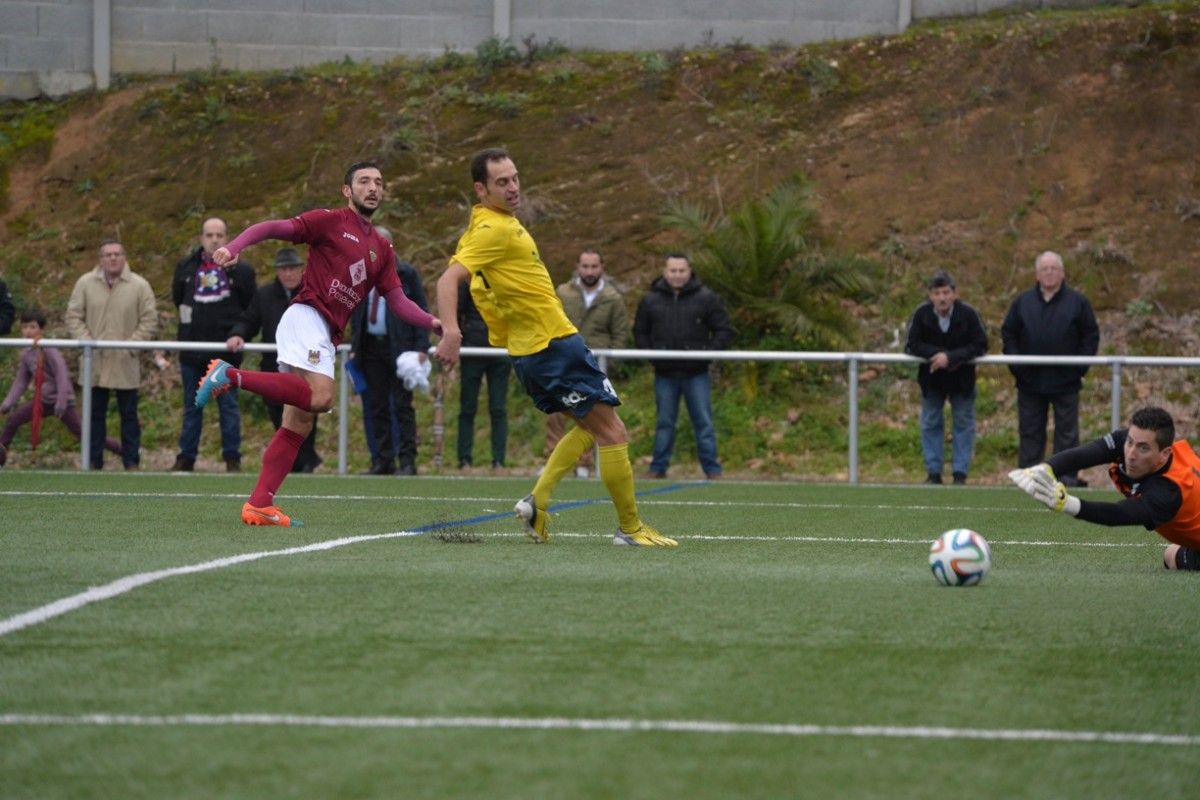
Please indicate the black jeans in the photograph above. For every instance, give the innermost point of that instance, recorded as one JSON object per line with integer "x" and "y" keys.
{"x": 473, "y": 371}
{"x": 386, "y": 395}
{"x": 131, "y": 427}
{"x": 307, "y": 455}
{"x": 1031, "y": 422}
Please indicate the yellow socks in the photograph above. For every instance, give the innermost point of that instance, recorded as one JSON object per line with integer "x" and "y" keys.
{"x": 562, "y": 460}
{"x": 617, "y": 474}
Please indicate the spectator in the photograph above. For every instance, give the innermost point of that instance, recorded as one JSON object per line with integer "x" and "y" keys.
{"x": 597, "y": 309}
{"x": 210, "y": 300}
{"x": 378, "y": 338}
{"x": 111, "y": 302}
{"x": 7, "y": 309}
{"x": 948, "y": 334}
{"x": 474, "y": 369}
{"x": 680, "y": 314}
{"x": 263, "y": 314}
{"x": 53, "y": 394}
{"x": 1049, "y": 319}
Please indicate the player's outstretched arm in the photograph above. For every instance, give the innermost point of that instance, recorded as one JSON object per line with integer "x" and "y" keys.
{"x": 447, "y": 304}
{"x": 285, "y": 229}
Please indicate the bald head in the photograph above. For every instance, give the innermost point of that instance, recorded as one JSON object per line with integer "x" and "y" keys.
{"x": 212, "y": 234}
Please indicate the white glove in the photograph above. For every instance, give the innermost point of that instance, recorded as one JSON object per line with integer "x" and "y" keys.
{"x": 1040, "y": 484}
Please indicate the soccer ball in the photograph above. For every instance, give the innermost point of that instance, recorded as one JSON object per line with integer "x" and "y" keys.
{"x": 960, "y": 557}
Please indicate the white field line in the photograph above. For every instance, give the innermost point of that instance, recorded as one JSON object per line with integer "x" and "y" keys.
{"x": 131, "y": 582}
{"x": 603, "y": 725}
{"x": 642, "y": 501}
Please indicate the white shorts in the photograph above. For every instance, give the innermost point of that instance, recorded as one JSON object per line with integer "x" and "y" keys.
{"x": 302, "y": 340}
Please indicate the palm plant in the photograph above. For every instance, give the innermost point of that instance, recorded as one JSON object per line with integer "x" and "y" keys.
{"x": 764, "y": 259}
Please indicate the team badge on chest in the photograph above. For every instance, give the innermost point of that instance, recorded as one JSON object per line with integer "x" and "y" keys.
{"x": 314, "y": 357}
{"x": 358, "y": 272}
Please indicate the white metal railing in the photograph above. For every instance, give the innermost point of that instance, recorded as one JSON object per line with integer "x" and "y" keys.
{"x": 852, "y": 361}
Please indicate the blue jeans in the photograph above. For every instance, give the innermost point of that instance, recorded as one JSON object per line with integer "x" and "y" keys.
{"x": 933, "y": 430}
{"x": 697, "y": 394}
{"x": 131, "y": 427}
{"x": 193, "y": 418}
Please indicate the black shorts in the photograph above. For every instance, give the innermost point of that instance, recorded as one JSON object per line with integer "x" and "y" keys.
{"x": 565, "y": 377}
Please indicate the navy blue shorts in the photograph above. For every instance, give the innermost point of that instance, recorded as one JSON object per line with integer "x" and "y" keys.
{"x": 565, "y": 377}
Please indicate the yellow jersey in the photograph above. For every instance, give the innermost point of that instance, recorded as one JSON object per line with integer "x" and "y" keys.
{"x": 510, "y": 285}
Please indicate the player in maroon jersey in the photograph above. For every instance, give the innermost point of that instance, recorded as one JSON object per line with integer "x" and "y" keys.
{"x": 346, "y": 258}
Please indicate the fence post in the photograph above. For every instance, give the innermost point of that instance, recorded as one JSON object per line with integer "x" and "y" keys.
{"x": 1115, "y": 416}
{"x": 85, "y": 423}
{"x": 343, "y": 410}
{"x": 853, "y": 381}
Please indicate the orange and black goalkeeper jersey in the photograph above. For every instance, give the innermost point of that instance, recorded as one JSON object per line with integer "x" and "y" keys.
{"x": 1167, "y": 501}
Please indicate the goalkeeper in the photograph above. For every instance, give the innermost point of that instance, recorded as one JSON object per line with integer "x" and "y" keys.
{"x": 1159, "y": 476}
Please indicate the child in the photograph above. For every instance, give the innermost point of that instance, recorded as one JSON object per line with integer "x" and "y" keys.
{"x": 57, "y": 395}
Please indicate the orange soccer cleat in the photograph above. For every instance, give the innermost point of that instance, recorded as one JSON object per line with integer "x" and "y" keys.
{"x": 268, "y": 515}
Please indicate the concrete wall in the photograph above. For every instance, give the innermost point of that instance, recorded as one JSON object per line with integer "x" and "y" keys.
{"x": 58, "y": 46}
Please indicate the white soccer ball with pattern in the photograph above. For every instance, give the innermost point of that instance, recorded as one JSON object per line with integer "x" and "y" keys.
{"x": 960, "y": 557}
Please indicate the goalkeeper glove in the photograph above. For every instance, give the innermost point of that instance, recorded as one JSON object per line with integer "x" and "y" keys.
{"x": 1040, "y": 484}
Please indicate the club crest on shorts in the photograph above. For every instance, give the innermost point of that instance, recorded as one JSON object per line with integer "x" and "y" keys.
{"x": 358, "y": 272}
{"x": 314, "y": 357}
{"x": 374, "y": 257}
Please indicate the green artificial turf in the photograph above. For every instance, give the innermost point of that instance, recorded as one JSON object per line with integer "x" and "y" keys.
{"x": 785, "y": 604}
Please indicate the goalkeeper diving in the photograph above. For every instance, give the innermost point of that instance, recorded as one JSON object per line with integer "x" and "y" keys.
{"x": 1158, "y": 474}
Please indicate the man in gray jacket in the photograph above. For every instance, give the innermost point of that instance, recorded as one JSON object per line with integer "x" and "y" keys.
{"x": 594, "y": 306}
{"x": 111, "y": 302}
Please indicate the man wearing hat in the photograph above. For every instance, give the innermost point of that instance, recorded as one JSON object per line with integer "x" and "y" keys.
{"x": 210, "y": 298}
{"x": 947, "y": 334}
{"x": 267, "y": 307}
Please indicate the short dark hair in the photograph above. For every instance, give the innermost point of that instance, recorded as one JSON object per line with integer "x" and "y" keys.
{"x": 939, "y": 279}
{"x": 355, "y": 167}
{"x": 34, "y": 314}
{"x": 106, "y": 242}
{"x": 1153, "y": 418}
{"x": 591, "y": 251}
{"x": 480, "y": 161}
{"x": 677, "y": 254}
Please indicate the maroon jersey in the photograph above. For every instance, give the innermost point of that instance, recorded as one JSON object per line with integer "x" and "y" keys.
{"x": 346, "y": 258}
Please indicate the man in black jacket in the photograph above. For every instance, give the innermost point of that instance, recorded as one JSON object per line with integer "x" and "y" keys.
{"x": 210, "y": 299}
{"x": 1049, "y": 319}
{"x": 473, "y": 371}
{"x": 378, "y": 337}
{"x": 948, "y": 334}
{"x": 8, "y": 311}
{"x": 264, "y": 313}
{"x": 680, "y": 314}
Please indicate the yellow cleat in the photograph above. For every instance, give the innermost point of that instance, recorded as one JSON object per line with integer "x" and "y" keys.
{"x": 645, "y": 536}
{"x": 537, "y": 520}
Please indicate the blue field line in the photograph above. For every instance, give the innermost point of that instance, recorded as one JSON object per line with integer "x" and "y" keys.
{"x": 556, "y": 507}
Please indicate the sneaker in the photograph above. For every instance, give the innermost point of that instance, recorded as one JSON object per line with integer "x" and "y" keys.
{"x": 656, "y": 475}
{"x": 3, "y": 455}
{"x": 582, "y": 472}
{"x": 215, "y": 382}
{"x": 537, "y": 520}
{"x": 183, "y": 464}
{"x": 934, "y": 479}
{"x": 233, "y": 465}
{"x": 960, "y": 479}
{"x": 645, "y": 536}
{"x": 269, "y": 515}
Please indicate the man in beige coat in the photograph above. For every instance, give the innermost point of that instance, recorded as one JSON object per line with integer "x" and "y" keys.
{"x": 597, "y": 309}
{"x": 113, "y": 303}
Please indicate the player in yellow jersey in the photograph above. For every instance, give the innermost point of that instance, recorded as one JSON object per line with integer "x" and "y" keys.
{"x": 515, "y": 296}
